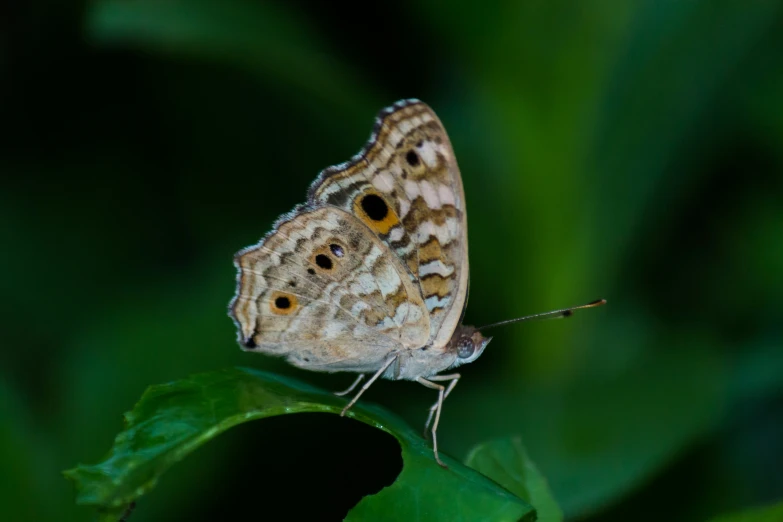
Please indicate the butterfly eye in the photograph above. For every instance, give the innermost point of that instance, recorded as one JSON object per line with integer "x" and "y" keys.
{"x": 282, "y": 303}
{"x": 465, "y": 348}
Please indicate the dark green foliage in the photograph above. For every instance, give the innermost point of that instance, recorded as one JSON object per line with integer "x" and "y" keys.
{"x": 172, "y": 420}
{"x": 762, "y": 514}
{"x": 506, "y": 461}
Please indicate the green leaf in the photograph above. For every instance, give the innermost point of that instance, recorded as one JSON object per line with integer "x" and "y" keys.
{"x": 507, "y": 463}
{"x": 772, "y": 513}
{"x": 171, "y": 420}
{"x": 605, "y": 434}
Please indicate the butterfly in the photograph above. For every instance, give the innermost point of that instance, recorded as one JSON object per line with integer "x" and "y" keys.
{"x": 370, "y": 275}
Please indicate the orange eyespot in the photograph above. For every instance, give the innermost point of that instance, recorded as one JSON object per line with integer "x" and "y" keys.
{"x": 328, "y": 256}
{"x": 371, "y": 208}
{"x": 282, "y": 303}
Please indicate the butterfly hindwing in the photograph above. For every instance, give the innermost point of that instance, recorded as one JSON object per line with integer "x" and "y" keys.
{"x": 405, "y": 186}
{"x": 324, "y": 291}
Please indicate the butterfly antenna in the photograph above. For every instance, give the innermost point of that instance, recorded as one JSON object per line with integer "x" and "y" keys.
{"x": 554, "y": 314}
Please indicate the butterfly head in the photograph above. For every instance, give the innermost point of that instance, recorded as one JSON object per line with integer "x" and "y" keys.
{"x": 467, "y": 344}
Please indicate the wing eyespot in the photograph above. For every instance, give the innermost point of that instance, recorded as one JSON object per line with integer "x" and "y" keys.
{"x": 375, "y": 212}
{"x": 323, "y": 261}
{"x": 326, "y": 257}
{"x": 375, "y": 207}
{"x": 283, "y": 303}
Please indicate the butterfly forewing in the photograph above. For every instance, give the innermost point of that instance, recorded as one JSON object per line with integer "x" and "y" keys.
{"x": 405, "y": 186}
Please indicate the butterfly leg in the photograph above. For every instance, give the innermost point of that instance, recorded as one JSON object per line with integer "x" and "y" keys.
{"x": 438, "y": 406}
{"x": 367, "y": 384}
{"x": 454, "y": 377}
{"x": 350, "y": 388}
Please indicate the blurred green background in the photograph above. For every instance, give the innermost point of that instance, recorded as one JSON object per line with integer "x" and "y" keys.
{"x": 625, "y": 150}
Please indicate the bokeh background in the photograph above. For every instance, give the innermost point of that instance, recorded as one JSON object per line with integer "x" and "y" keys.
{"x": 625, "y": 150}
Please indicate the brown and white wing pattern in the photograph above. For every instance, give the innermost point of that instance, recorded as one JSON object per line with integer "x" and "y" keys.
{"x": 405, "y": 186}
{"x": 322, "y": 290}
